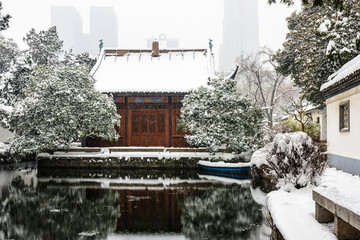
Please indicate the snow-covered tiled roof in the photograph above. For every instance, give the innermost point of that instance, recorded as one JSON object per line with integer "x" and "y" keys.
{"x": 349, "y": 68}
{"x": 139, "y": 71}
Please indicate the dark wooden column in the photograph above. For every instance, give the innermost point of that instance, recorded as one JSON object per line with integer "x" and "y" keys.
{"x": 170, "y": 121}
{"x": 126, "y": 121}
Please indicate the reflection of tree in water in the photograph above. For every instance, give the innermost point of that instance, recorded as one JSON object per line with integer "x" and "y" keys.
{"x": 57, "y": 213}
{"x": 221, "y": 214}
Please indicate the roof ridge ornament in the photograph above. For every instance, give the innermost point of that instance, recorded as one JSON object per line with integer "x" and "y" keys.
{"x": 233, "y": 75}
{"x": 210, "y": 45}
{"x": 101, "y": 45}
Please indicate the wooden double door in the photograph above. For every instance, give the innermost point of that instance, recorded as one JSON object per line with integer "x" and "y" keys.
{"x": 148, "y": 127}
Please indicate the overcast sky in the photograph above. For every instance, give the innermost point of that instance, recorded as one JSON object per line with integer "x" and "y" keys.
{"x": 193, "y": 22}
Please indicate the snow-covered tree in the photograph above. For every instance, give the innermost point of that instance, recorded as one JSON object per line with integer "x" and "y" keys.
{"x": 4, "y": 19}
{"x": 60, "y": 104}
{"x": 8, "y": 57}
{"x": 83, "y": 58}
{"x": 218, "y": 115}
{"x": 49, "y": 103}
{"x": 8, "y": 53}
{"x": 44, "y": 47}
{"x": 320, "y": 41}
{"x": 268, "y": 88}
{"x": 314, "y": 3}
{"x": 15, "y": 79}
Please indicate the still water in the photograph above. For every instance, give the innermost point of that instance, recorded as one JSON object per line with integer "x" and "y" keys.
{"x": 37, "y": 204}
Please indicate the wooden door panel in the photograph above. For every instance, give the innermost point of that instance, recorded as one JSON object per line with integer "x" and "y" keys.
{"x": 144, "y": 124}
{"x": 178, "y": 139}
{"x": 153, "y": 140}
{"x": 143, "y": 140}
{"x": 161, "y": 123}
{"x": 152, "y": 123}
{"x": 148, "y": 128}
{"x": 135, "y": 121}
{"x": 161, "y": 140}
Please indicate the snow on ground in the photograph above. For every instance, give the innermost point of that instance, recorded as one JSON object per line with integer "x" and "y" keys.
{"x": 259, "y": 196}
{"x": 342, "y": 188}
{"x": 293, "y": 210}
{"x": 293, "y": 213}
{"x": 106, "y": 153}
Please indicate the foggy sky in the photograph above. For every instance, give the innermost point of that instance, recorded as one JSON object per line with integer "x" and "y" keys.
{"x": 192, "y": 22}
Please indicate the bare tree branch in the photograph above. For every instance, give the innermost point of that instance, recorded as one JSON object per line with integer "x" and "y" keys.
{"x": 259, "y": 77}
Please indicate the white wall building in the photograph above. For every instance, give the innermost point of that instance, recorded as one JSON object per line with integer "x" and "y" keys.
{"x": 342, "y": 93}
{"x": 318, "y": 115}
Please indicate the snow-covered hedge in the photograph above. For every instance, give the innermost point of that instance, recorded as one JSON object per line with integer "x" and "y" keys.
{"x": 291, "y": 158}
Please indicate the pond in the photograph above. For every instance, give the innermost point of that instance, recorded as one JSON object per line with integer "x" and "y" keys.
{"x": 37, "y": 204}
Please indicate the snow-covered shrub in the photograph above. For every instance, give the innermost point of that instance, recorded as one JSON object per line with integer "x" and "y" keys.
{"x": 291, "y": 158}
{"x": 219, "y": 115}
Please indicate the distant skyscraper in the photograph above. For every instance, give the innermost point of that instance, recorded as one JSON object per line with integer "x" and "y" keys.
{"x": 240, "y": 32}
{"x": 68, "y": 23}
{"x": 103, "y": 25}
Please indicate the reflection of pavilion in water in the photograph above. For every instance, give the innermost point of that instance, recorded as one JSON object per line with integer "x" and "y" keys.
{"x": 146, "y": 205}
{"x": 155, "y": 210}
{"x": 130, "y": 205}
{"x": 152, "y": 205}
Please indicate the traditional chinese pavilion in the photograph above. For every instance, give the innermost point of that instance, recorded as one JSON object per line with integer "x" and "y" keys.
{"x": 148, "y": 87}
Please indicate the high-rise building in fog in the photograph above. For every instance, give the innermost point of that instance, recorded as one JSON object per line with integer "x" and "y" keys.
{"x": 240, "y": 32}
{"x": 103, "y": 25}
{"x": 69, "y": 23}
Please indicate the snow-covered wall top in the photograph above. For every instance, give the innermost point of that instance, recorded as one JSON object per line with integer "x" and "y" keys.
{"x": 349, "y": 68}
{"x": 138, "y": 71}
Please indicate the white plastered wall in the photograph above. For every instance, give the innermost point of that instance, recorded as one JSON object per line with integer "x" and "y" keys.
{"x": 346, "y": 144}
